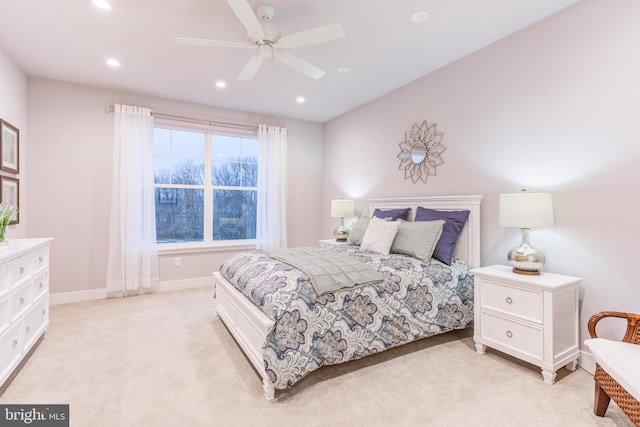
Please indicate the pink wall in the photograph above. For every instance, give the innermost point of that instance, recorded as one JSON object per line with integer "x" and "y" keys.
{"x": 70, "y": 153}
{"x": 13, "y": 109}
{"x": 551, "y": 108}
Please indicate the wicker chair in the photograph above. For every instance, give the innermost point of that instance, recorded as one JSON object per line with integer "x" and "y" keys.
{"x": 607, "y": 388}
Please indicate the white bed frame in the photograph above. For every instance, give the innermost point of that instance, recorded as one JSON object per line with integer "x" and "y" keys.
{"x": 250, "y": 326}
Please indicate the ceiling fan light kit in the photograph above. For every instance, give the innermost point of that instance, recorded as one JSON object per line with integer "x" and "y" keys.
{"x": 266, "y": 38}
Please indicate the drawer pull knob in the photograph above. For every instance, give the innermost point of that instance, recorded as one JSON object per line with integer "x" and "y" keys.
{"x": 509, "y": 300}
{"x": 44, "y": 311}
{"x": 14, "y": 343}
{"x": 21, "y": 300}
{"x": 509, "y": 334}
{"x": 40, "y": 285}
{"x": 26, "y": 330}
{"x": 40, "y": 259}
{"x": 21, "y": 270}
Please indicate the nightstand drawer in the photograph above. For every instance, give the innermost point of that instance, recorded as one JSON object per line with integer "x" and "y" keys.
{"x": 523, "y": 303}
{"x": 512, "y": 335}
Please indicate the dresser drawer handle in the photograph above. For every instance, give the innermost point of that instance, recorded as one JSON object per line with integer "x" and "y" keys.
{"x": 44, "y": 311}
{"x": 40, "y": 259}
{"x": 14, "y": 343}
{"x": 40, "y": 285}
{"x": 509, "y": 334}
{"x": 21, "y": 300}
{"x": 21, "y": 270}
{"x": 509, "y": 300}
{"x": 26, "y": 330}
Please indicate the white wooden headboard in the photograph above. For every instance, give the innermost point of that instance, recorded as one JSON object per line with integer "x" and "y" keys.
{"x": 468, "y": 246}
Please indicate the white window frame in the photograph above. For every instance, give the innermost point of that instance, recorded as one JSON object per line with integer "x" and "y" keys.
{"x": 208, "y": 244}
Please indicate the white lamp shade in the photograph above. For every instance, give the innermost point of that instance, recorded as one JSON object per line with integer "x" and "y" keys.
{"x": 341, "y": 208}
{"x": 526, "y": 210}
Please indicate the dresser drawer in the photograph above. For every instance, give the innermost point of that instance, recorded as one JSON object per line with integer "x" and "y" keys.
{"x": 523, "y": 303}
{"x": 40, "y": 285}
{"x": 513, "y": 335}
{"x": 10, "y": 350}
{"x": 40, "y": 258}
{"x": 21, "y": 300}
{"x": 35, "y": 322}
{"x": 20, "y": 270}
{"x": 5, "y": 313}
{"x": 5, "y": 283}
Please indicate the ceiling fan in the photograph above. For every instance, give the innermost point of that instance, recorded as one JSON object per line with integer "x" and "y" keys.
{"x": 265, "y": 37}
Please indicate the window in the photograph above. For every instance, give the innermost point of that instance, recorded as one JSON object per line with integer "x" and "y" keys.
{"x": 205, "y": 186}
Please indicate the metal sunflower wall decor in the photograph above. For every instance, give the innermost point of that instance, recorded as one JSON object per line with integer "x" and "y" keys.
{"x": 420, "y": 152}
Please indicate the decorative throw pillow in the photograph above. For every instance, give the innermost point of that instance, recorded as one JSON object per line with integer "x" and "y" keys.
{"x": 357, "y": 231}
{"x": 379, "y": 235}
{"x": 392, "y": 214}
{"x": 417, "y": 239}
{"x": 454, "y": 221}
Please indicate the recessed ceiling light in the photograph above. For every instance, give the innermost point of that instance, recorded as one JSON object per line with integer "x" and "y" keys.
{"x": 113, "y": 63}
{"x": 102, "y": 4}
{"x": 343, "y": 70}
{"x": 300, "y": 100}
{"x": 221, "y": 84}
{"x": 419, "y": 16}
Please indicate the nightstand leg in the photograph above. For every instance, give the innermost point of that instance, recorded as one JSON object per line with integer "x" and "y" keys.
{"x": 480, "y": 348}
{"x": 549, "y": 376}
{"x": 572, "y": 365}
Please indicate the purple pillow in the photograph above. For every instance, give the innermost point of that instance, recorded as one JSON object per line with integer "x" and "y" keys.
{"x": 453, "y": 223}
{"x": 392, "y": 214}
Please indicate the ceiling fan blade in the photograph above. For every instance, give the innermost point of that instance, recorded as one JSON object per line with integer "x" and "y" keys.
{"x": 300, "y": 65}
{"x": 313, "y": 36}
{"x": 212, "y": 43}
{"x": 251, "y": 67}
{"x": 245, "y": 14}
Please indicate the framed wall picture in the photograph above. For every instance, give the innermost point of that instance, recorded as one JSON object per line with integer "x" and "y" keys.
{"x": 9, "y": 194}
{"x": 9, "y": 147}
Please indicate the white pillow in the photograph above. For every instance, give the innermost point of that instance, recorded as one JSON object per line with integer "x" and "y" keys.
{"x": 379, "y": 235}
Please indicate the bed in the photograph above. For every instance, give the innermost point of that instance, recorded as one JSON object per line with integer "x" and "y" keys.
{"x": 287, "y": 330}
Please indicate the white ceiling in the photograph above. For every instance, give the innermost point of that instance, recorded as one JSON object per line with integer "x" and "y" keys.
{"x": 70, "y": 40}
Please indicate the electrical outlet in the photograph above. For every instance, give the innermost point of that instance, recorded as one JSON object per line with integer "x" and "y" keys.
{"x": 177, "y": 262}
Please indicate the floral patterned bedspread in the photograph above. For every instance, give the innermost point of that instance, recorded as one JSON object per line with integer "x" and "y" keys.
{"x": 415, "y": 300}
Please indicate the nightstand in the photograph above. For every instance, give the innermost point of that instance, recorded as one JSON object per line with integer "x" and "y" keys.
{"x": 330, "y": 242}
{"x": 533, "y": 318}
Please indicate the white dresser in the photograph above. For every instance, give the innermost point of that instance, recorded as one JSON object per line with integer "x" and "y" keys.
{"x": 533, "y": 318}
{"x": 24, "y": 299}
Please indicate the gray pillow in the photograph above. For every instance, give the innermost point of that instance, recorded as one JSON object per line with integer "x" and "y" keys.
{"x": 357, "y": 231}
{"x": 417, "y": 239}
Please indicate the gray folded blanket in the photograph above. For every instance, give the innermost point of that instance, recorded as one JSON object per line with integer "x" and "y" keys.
{"x": 327, "y": 270}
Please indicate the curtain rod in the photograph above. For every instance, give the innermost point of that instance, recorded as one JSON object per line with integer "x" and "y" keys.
{"x": 111, "y": 109}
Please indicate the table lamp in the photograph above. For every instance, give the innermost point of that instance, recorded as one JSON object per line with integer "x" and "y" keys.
{"x": 340, "y": 209}
{"x": 525, "y": 211}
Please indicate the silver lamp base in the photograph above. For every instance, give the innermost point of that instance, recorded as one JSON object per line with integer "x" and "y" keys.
{"x": 525, "y": 259}
{"x": 341, "y": 233}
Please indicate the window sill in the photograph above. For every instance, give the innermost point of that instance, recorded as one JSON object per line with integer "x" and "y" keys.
{"x": 194, "y": 248}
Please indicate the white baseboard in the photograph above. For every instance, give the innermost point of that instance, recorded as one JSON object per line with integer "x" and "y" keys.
{"x": 587, "y": 362}
{"x": 96, "y": 294}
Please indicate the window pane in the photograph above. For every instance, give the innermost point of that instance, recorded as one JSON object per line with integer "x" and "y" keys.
{"x": 249, "y": 174}
{"x": 161, "y": 142}
{"x": 187, "y": 145}
{"x": 250, "y": 149}
{"x": 225, "y": 148}
{"x": 161, "y": 170}
{"x": 179, "y": 215}
{"x": 188, "y": 172}
{"x": 234, "y": 214}
{"x": 226, "y": 173}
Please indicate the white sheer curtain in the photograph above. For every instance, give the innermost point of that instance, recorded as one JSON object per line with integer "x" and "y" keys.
{"x": 133, "y": 257}
{"x": 271, "y": 228}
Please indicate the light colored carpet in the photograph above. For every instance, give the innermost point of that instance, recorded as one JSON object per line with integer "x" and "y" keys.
{"x": 165, "y": 360}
